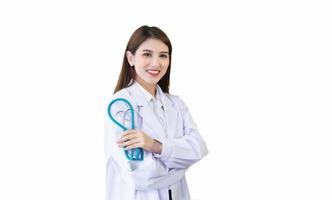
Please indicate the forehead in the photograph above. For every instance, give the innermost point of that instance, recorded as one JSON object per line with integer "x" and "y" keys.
{"x": 153, "y": 45}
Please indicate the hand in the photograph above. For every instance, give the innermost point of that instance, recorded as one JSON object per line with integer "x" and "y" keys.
{"x": 131, "y": 139}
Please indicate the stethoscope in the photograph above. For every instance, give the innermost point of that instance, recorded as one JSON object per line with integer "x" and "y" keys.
{"x": 132, "y": 154}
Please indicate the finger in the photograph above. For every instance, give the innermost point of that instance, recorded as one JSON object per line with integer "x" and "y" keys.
{"x": 133, "y": 146}
{"x": 128, "y": 137}
{"x": 125, "y": 135}
{"x": 128, "y": 132}
{"x": 129, "y": 142}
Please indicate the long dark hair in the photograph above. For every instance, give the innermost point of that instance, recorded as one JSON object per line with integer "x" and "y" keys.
{"x": 137, "y": 38}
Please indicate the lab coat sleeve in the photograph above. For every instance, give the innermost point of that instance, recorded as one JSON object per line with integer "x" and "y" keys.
{"x": 187, "y": 147}
{"x": 150, "y": 173}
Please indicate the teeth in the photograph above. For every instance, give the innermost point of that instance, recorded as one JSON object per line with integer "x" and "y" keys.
{"x": 154, "y": 71}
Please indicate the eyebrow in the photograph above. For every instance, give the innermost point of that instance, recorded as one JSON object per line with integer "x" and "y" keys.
{"x": 152, "y": 51}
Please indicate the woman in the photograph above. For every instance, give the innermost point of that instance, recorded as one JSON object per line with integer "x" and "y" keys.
{"x": 164, "y": 128}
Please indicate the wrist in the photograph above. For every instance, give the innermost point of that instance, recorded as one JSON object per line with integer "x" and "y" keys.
{"x": 157, "y": 147}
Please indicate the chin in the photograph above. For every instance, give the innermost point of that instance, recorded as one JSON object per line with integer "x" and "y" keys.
{"x": 152, "y": 82}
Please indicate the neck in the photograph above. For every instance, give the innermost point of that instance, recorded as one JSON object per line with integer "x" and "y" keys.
{"x": 148, "y": 87}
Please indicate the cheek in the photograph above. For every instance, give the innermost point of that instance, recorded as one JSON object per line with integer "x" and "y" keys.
{"x": 140, "y": 66}
{"x": 142, "y": 61}
{"x": 139, "y": 70}
{"x": 165, "y": 65}
{"x": 164, "y": 70}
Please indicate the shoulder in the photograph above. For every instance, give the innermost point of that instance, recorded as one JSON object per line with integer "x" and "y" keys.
{"x": 176, "y": 100}
{"x": 172, "y": 97}
{"x": 121, "y": 94}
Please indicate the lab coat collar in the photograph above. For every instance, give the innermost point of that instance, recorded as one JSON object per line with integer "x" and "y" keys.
{"x": 149, "y": 98}
{"x": 146, "y": 94}
{"x": 147, "y": 113}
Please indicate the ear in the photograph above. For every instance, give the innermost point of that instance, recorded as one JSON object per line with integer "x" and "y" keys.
{"x": 130, "y": 58}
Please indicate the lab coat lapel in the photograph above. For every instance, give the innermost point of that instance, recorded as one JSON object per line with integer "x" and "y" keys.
{"x": 146, "y": 111}
{"x": 171, "y": 114}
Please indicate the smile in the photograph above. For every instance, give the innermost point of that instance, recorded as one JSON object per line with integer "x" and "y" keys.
{"x": 153, "y": 72}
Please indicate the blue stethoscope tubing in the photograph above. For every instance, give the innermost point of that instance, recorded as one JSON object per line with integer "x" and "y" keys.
{"x": 134, "y": 154}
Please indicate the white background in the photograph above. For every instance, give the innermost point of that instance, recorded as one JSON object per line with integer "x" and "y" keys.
{"x": 256, "y": 76}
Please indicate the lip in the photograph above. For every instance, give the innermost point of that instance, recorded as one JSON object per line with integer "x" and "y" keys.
{"x": 153, "y": 72}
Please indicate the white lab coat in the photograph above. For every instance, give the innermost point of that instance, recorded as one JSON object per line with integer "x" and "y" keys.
{"x": 151, "y": 178}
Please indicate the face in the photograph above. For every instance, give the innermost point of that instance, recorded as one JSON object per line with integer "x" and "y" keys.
{"x": 151, "y": 62}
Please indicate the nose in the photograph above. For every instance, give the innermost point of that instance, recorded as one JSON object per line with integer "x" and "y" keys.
{"x": 155, "y": 61}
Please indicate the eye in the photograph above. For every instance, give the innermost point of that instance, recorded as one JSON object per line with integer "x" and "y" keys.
{"x": 147, "y": 54}
{"x": 164, "y": 55}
